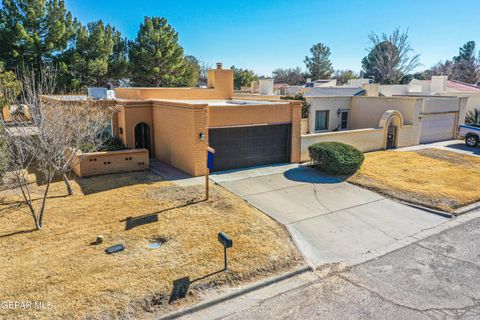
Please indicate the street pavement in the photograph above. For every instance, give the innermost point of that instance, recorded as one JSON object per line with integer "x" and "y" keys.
{"x": 434, "y": 278}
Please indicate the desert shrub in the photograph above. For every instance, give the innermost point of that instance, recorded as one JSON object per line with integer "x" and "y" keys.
{"x": 335, "y": 157}
{"x": 109, "y": 143}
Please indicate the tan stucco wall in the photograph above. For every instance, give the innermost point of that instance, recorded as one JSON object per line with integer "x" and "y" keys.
{"x": 177, "y": 136}
{"x": 472, "y": 101}
{"x": 331, "y": 104}
{"x": 364, "y": 140}
{"x": 367, "y": 111}
{"x": 220, "y": 87}
{"x": 97, "y": 163}
{"x": 236, "y": 115}
{"x": 132, "y": 114}
{"x": 408, "y": 135}
{"x": 304, "y": 126}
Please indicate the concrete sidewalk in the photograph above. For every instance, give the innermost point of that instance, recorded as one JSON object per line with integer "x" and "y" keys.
{"x": 330, "y": 220}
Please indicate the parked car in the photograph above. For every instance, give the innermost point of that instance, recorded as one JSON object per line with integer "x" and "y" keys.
{"x": 471, "y": 134}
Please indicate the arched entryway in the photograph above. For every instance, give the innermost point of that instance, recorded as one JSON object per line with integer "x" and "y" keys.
{"x": 392, "y": 133}
{"x": 391, "y": 122}
{"x": 142, "y": 137}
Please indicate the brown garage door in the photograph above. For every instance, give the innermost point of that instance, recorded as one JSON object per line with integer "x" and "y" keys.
{"x": 242, "y": 147}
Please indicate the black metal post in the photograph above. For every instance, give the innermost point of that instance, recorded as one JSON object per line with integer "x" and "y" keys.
{"x": 225, "y": 258}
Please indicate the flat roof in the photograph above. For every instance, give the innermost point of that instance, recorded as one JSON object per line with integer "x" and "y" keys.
{"x": 225, "y": 103}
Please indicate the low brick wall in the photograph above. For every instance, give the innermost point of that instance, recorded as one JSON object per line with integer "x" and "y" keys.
{"x": 97, "y": 163}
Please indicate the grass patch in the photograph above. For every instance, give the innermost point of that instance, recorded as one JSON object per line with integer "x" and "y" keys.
{"x": 60, "y": 266}
{"x": 434, "y": 178}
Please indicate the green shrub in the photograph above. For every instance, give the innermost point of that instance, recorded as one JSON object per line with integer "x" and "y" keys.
{"x": 335, "y": 157}
{"x": 305, "y": 105}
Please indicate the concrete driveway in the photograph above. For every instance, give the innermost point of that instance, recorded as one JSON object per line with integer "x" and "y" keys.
{"x": 457, "y": 146}
{"x": 330, "y": 220}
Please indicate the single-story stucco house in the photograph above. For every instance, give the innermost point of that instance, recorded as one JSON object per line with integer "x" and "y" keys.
{"x": 375, "y": 123}
{"x": 177, "y": 124}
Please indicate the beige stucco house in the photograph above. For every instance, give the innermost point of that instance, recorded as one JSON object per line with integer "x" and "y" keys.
{"x": 437, "y": 86}
{"x": 177, "y": 124}
{"x": 375, "y": 123}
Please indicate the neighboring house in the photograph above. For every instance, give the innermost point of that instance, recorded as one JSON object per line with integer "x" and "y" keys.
{"x": 375, "y": 123}
{"x": 321, "y": 83}
{"x": 330, "y": 107}
{"x": 437, "y": 86}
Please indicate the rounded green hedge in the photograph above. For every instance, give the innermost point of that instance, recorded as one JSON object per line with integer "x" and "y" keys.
{"x": 335, "y": 157}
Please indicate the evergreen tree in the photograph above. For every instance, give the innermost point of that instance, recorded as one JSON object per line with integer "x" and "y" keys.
{"x": 97, "y": 57}
{"x": 318, "y": 64}
{"x": 466, "y": 67}
{"x": 9, "y": 87}
{"x": 243, "y": 77}
{"x": 33, "y": 32}
{"x": 156, "y": 58}
{"x": 193, "y": 71}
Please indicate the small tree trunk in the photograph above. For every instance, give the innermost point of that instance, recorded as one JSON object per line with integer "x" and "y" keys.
{"x": 37, "y": 223}
{"x": 42, "y": 208}
{"x": 67, "y": 184}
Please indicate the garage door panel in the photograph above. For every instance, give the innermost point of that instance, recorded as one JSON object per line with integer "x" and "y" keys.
{"x": 438, "y": 127}
{"x": 250, "y": 146}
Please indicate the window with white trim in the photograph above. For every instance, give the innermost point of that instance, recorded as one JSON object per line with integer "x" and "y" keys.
{"x": 321, "y": 120}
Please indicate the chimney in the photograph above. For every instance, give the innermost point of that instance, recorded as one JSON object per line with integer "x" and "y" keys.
{"x": 219, "y": 65}
{"x": 266, "y": 87}
{"x": 438, "y": 84}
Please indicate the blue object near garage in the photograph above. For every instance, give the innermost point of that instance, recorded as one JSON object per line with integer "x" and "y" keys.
{"x": 210, "y": 158}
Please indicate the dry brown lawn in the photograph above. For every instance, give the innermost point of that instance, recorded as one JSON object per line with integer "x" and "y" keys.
{"x": 431, "y": 177}
{"x": 60, "y": 266}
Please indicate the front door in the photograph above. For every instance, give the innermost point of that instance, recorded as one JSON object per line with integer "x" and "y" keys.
{"x": 142, "y": 137}
{"x": 391, "y": 136}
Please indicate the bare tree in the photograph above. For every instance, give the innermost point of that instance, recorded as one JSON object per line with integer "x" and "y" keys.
{"x": 56, "y": 134}
{"x": 80, "y": 128}
{"x": 291, "y": 76}
{"x": 203, "y": 76}
{"x": 28, "y": 146}
{"x": 389, "y": 59}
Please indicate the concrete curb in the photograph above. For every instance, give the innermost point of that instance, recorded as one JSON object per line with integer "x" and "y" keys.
{"x": 429, "y": 210}
{"x": 467, "y": 209}
{"x": 230, "y": 296}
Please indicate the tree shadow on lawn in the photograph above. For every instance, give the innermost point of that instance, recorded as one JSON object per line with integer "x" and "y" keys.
{"x": 310, "y": 174}
{"x": 4, "y": 235}
{"x": 133, "y": 222}
{"x": 107, "y": 182}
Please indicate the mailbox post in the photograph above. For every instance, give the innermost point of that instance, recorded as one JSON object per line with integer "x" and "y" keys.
{"x": 227, "y": 242}
{"x": 210, "y": 158}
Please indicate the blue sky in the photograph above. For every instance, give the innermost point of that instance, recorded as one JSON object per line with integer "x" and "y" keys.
{"x": 263, "y": 35}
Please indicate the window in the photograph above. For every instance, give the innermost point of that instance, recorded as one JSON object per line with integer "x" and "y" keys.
{"x": 343, "y": 125}
{"x": 321, "y": 120}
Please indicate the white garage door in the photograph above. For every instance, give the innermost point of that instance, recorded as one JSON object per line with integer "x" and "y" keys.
{"x": 438, "y": 127}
